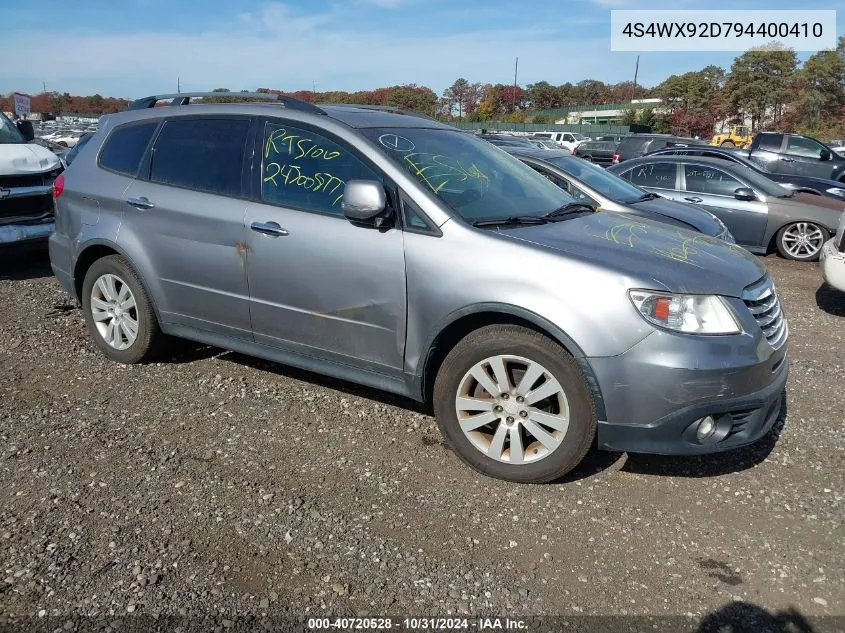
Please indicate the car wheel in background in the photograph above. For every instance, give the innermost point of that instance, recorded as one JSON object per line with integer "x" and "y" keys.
{"x": 801, "y": 241}
{"x": 514, "y": 405}
{"x": 118, "y": 312}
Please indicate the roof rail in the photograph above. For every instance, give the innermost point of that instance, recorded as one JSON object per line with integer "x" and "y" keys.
{"x": 393, "y": 109}
{"x": 184, "y": 98}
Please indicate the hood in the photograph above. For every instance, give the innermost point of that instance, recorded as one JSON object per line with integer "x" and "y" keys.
{"x": 699, "y": 219}
{"x": 672, "y": 259}
{"x": 18, "y": 159}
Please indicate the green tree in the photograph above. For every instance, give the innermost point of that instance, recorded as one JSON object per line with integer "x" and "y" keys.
{"x": 759, "y": 84}
{"x": 458, "y": 94}
{"x": 629, "y": 116}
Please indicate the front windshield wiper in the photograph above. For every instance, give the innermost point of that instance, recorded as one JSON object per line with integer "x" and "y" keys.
{"x": 573, "y": 208}
{"x": 512, "y": 221}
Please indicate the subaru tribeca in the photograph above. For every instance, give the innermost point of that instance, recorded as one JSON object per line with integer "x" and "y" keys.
{"x": 394, "y": 251}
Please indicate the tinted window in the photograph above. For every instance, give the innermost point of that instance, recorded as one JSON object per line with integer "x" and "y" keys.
{"x": 803, "y": 147}
{"x": 306, "y": 170}
{"x": 633, "y": 146}
{"x": 770, "y": 142}
{"x": 202, "y": 154}
{"x": 126, "y": 146}
{"x": 703, "y": 179}
{"x": 654, "y": 175}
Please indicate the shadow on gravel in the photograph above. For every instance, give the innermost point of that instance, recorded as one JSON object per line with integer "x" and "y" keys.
{"x": 746, "y": 617}
{"x": 711, "y": 465}
{"x": 318, "y": 380}
{"x": 18, "y": 263}
{"x": 831, "y": 300}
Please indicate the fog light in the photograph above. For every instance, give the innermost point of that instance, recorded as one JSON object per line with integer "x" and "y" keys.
{"x": 706, "y": 428}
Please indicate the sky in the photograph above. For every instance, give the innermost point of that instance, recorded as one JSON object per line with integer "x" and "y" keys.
{"x": 133, "y": 48}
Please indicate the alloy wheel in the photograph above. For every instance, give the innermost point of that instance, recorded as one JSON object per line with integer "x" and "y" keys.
{"x": 114, "y": 311}
{"x": 803, "y": 240}
{"x": 512, "y": 409}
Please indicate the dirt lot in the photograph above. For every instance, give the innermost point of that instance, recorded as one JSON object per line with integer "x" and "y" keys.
{"x": 216, "y": 486}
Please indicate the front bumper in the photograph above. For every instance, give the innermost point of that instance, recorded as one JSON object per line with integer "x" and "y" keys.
{"x": 832, "y": 263}
{"x": 655, "y": 393}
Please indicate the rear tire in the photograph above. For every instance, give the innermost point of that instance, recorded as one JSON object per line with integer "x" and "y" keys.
{"x": 118, "y": 312}
{"x": 505, "y": 427}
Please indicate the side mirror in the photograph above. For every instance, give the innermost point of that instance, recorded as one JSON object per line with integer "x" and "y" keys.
{"x": 25, "y": 128}
{"x": 744, "y": 193}
{"x": 824, "y": 154}
{"x": 363, "y": 200}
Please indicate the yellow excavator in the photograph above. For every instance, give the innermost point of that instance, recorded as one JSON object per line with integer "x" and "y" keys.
{"x": 739, "y": 136}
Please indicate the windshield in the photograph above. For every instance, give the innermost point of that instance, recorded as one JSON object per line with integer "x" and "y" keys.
{"x": 578, "y": 137}
{"x": 476, "y": 179}
{"x": 605, "y": 183}
{"x": 760, "y": 182}
{"x": 8, "y": 132}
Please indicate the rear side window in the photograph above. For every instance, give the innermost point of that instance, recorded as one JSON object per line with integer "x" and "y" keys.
{"x": 661, "y": 175}
{"x": 201, "y": 154}
{"x": 306, "y": 170}
{"x": 771, "y": 142}
{"x": 126, "y": 146}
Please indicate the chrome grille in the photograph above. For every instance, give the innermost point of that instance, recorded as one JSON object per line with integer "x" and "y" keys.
{"x": 762, "y": 300}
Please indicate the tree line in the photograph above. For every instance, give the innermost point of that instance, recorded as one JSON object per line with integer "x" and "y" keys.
{"x": 766, "y": 86}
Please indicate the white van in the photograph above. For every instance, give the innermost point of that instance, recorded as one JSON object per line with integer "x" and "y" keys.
{"x": 566, "y": 140}
{"x": 27, "y": 172}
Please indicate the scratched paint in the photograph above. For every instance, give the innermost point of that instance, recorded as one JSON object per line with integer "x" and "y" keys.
{"x": 671, "y": 244}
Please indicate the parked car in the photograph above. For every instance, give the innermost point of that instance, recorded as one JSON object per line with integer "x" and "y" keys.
{"x": 27, "y": 171}
{"x": 596, "y": 187}
{"x": 832, "y": 258}
{"x": 796, "y": 154}
{"x": 759, "y": 213}
{"x": 507, "y": 140}
{"x": 565, "y": 140}
{"x": 394, "y": 251}
{"x": 803, "y": 184}
{"x": 599, "y": 152}
{"x": 636, "y": 145}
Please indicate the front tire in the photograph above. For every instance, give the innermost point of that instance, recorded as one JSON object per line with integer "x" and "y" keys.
{"x": 514, "y": 405}
{"x": 727, "y": 144}
{"x": 801, "y": 241}
{"x": 118, "y": 312}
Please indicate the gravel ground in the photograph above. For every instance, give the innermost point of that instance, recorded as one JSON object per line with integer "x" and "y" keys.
{"x": 217, "y": 486}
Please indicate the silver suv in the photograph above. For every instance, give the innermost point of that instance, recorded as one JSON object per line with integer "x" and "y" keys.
{"x": 394, "y": 251}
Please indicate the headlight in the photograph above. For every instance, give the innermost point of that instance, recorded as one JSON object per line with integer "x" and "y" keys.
{"x": 836, "y": 191}
{"x": 690, "y": 314}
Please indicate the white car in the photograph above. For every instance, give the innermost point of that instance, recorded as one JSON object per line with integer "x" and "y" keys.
{"x": 832, "y": 258}
{"x": 566, "y": 140}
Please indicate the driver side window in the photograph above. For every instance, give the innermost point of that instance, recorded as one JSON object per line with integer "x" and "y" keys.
{"x": 804, "y": 147}
{"x": 305, "y": 170}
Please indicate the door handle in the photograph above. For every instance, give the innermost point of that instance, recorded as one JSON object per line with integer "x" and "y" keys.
{"x": 787, "y": 160}
{"x": 693, "y": 199}
{"x": 268, "y": 228}
{"x": 140, "y": 203}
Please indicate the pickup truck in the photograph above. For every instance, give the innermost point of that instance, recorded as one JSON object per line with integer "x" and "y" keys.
{"x": 565, "y": 140}
{"x": 797, "y": 155}
{"x": 27, "y": 172}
